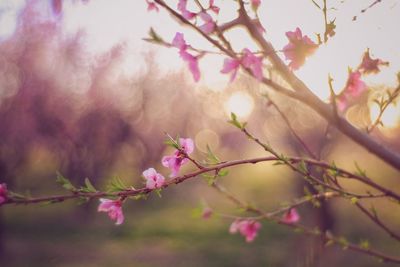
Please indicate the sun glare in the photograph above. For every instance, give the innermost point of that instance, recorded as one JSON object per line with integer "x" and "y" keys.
{"x": 240, "y": 103}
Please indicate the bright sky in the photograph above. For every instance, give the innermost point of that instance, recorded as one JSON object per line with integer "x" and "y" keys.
{"x": 128, "y": 21}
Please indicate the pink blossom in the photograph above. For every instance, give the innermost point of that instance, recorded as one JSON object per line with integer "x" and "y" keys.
{"x": 207, "y": 213}
{"x": 255, "y": 4}
{"x": 254, "y": 63}
{"x": 3, "y": 193}
{"x": 353, "y": 89}
{"x": 153, "y": 179}
{"x": 355, "y": 86}
{"x": 193, "y": 64}
{"x": 114, "y": 209}
{"x": 342, "y": 102}
{"x": 247, "y": 228}
{"x": 56, "y": 6}
{"x": 185, "y": 13}
{"x": 291, "y": 216}
{"x": 213, "y": 7}
{"x": 369, "y": 65}
{"x": 152, "y": 6}
{"x": 248, "y": 60}
{"x": 178, "y": 158}
{"x": 179, "y": 41}
{"x": 209, "y": 24}
{"x": 298, "y": 49}
{"x": 231, "y": 65}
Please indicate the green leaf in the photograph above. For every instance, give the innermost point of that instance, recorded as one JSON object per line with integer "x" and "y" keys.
{"x": 354, "y": 200}
{"x": 360, "y": 171}
{"x": 329, "y": 242}
{"x": 15, "y": 196}
{"x": 172, "y": 142}
{"x": 197, "y": 212}
{"x": 303, "y": 167}
{"x": 65, "y": 182}
{"x": 139, "y": 196}
{"x": 373, "y": 211}
{"x": 158, "y": 192}
{"x": 343, "y": 242}
{"x": 235, "y": 122}
{"x": 364, "y": 244}
{"x": 211, "y": 157}
{"x": 154, "y": 36}
{"x": 222, "y": 173}
{"x": 89, "y": 186}
{"x": 116, "y": 185}
{"x": 210, "y": 179}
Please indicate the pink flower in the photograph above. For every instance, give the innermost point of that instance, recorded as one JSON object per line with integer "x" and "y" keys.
{"x": 247, "y": 228}
{"x": 114, "y": 209}
{"x": 207, "y": 213}
{"x": 248, "y": 60}
{"x": 179, "y": 41}
{"x": 213, "y": 7}
{"x": 298, "y": 49}
{"x": 254, "y": 63}
{"x": 3, "y": 193}
{"x": 185, "y": 13}
{"x": 353, "y": 89}
{"x": 255, "y": 4}
{"x": 178, "y": 158}
{"x": 342, "y": 102}
{"x": 152, "y": 6}
{"x": 231, "y": 65}
{"x": 209, "y": 24}
{"x": 153, "y": 179}
{"x": 355, "y": 86}
{"x": 193, "y": 64}
{"x": 369, "y": 65}
{"x": 291, "y": 216}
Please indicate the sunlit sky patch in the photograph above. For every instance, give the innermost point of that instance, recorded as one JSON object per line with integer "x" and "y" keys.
{"x": 9, "y": 11}
{"x": 106, "y": 25}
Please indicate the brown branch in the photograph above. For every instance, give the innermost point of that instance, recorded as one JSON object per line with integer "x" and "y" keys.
{"x": 378, "y": 222}
{"x": 177, "y": 180}
{"x": 309, "y": 231}
{"x": 306, "y": 96}
{"x": 294, "y": 133}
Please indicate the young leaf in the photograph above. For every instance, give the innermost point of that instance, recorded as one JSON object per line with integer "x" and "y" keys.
{"x": 65, "y": 182}
{"x": 211, "y": 157}
{"x": 158, "y": 192}
{"x": 303, "y": 167}
{"x": 364, "y": 244}
{"x": 116, "y": 185}
{"x": 172, "y": 142}
{"x": 360, "y": 171}
{"x": 154, "y": 37}
{"x": 222, "y": 173}
{"x": 89, "y": 188}
{"x": 354, "y": 200}
{"x": 235, "y": 122}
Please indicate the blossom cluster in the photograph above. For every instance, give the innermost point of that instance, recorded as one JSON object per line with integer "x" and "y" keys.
{"x": 355, "y": 87}
{"x": 154, "y": 180}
